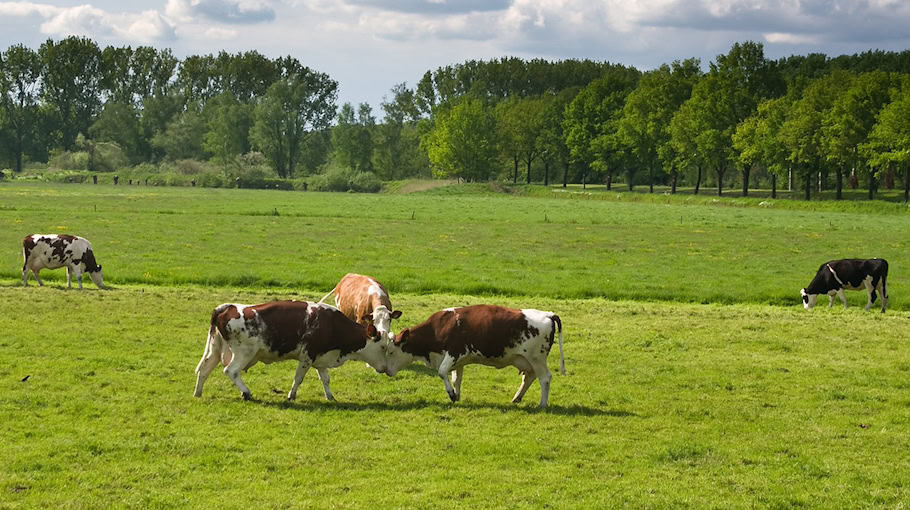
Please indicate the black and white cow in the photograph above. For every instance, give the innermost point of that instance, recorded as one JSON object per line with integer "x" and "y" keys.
{"x": 314, "y": 334}
{"x": 51, "y": 251}
{"x": 485, "y": 334}
{"x": 835, "y": 276}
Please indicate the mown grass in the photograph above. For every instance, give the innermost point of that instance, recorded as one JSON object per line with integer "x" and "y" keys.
{"x": 664, "y": 405}
{"x": 456, "y": 241}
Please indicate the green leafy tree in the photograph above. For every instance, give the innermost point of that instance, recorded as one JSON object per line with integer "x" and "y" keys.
{"x": 552, "y": 140}
{"x": 847, "y": 124}
{"x": 461, "y": 145}
{"x": 71, "y": 85}
{"x": 20, "y": 72}
{"x": 229, "y": 122}
{"x": 183, "y": 137}
{"x": 119, "y": 123}
{"x": 352, "y": 137}
{"x": 758, "y": 141}
{"x": 292, "y": 109}
{"x": 889, "y": 141}
{"x": 397, "y": 153}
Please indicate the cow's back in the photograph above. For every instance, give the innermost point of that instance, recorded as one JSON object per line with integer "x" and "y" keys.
{"x": 358, "y": 295}
{"x": 485, "y": 329}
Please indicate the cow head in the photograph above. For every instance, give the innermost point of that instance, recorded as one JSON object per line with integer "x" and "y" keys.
{"x": 97, "y": 277}
{"x": 374, "y": 352}
{"x": 382, "y": 319}
{"x": 396, "y": 357}
{"x": 809, "y": 300}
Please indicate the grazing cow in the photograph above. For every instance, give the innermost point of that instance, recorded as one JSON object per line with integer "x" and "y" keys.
{"x": 315, "y": 334}
{"x": 364, "y": 300}
{"x": 833, "y": 277}
{"x": 52, "y": 251}
{"x": 486, "y": 334}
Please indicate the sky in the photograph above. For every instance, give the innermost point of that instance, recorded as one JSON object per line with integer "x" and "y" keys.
{"x": 369, "y": 46}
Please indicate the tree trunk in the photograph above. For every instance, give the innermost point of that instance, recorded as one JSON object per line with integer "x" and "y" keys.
{"x": 515, "y": 170}
{"x": 773, "y": 185}
{"x": 889, "y": 177}
{"x": 746, "y": 172}
{"x": 650, "y": 178}
{"x": 529, "y": 171}
{"x": 871, "y": 184}
{"x": 809, "y": 185}
{"x": 584, "y": 176}
{"x": 720, "y": 181}
{"x": 546, "y": 173}
{"x": 673, "y": 182}
{"x": 698, "y": 180}
{"x": 629, "y": 175}
{"x": 609, "y": 179}
{"x": 565, "y": 173}
{"x": 790, "y": 178}
{"x": 838, "y": 183}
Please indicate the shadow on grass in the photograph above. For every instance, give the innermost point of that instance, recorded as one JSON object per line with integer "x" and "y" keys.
{"x": 441, "y": 406}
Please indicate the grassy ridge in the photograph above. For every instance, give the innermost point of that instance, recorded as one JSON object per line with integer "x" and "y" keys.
{"x": 446, "y": 242}
{"x": 664, "y": 405}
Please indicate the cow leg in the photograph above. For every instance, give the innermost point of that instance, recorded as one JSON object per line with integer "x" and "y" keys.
{"x": 35, "y": 272}
{"x": 869, "y": 290}
{"x": 881, "y": 290}
{"x": 210, "y": 358}
{"x": 448, "y": 362}
{"x": 843, "y": 297}
{"x": 239, "y": 362}
{"x": 302, "y": 367}
{"x": 77, "y": 273}
{"x": 69, "y": 278}
{"x": 324, "y": 379}
{"x": 527, "y": 377}
{"x": 456, "y": 381}
{"x": 830, "y": 300}
{"x": 544, "y": 376}
{"x": 25, "y": 275}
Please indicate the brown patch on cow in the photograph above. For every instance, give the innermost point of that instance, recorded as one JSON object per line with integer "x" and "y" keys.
{"x": 354, "y": 299}
{"x": 28, "y": 244}
{"x": 221, "y": 316}
{"x": 485, "y": 329}
{"x": 318, "y": 329}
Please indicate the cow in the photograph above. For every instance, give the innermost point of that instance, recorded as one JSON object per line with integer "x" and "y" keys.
{"x": 51, "y": 251}
{"x": 364, "y": 300}
{"x": 316, "y": 335}
{"x": 835, "y": 276}
{"x": 485, "y": 334}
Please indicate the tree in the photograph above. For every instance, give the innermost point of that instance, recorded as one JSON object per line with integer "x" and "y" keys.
{"x": 552, "y": 140}
{"x": 119, "y": 123}
{"x": 352, "y": 137}
{"x": 71, "y": 85}
{"x": 182, "y": 139}
{"x": 889, "y": 140}
{"x": 460, "y": 145}
{"x": 20, "y": 70}
{"x": 228, "y": 133}
{"x": 591, "y": 120}
{"x": 292, "y": 109}
{"x": 847, "y": 124}
{"x": 758, "y": 139}
{"x": 645, "y": 123}
{"x": 397, "y": 153}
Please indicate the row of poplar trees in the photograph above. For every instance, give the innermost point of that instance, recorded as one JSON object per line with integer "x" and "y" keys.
{"x": 807, "y": 119}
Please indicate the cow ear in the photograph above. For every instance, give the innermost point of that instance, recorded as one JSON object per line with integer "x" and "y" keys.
{"x": 396, "y": 314}
{"x": 367, "y": 317}
{"x": 371, "y": 330}
{"x": 402, "y": 336}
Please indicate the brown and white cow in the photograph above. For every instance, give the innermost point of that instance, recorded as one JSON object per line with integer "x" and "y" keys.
{"x": 365, "y": 300}
{"x": 835, "y": 276}
{"x": 316, "y": 335}
{"x": 485, "y": 334}
{"x": 52, "y": 251}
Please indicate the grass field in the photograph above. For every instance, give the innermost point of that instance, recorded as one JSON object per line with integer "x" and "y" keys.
{"x": 695, "y": 379}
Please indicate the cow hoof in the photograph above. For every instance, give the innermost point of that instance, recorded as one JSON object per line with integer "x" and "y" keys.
{"x": 453, "y": 397}
{"x": 247, "y": 396}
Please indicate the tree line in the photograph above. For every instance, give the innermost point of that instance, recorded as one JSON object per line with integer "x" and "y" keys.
{"x": 746, "y": 119}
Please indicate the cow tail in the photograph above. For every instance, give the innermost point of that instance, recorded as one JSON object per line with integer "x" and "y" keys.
{"x": 562, "y": 360}
{"x": 329, "y": 294}
{"x": 885, "y": 280}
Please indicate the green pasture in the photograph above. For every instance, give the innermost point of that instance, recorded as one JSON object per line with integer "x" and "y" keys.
{"x": 571, "y": 245}
{"x": 664, "y": 405}
{"x": 695, "y": 378}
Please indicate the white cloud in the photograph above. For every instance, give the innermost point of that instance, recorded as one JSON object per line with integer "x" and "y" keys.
{"x": 85, "y": 20}
{"x": 222, "y": 11}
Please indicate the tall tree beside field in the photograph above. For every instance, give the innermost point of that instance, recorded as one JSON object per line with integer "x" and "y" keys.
{"x": 20, "y": 72}
{"x": 292, "y": 109}
{"x": 118, "y": 123}
{"x": 757, "y": 140}
{"x": 889, "y": 141}
{"x": 849, "y": 121}
{"x": 552, "y": 140}
{"x": 645, "y": 123}
{"x": 592, "y": 119}
{"x": 461, "y": 143}
{"x": 397, "y": 153}
{"x": 71, "y": 85}
{"x": 183, "y": 137}
{"x": 352, "y": 137}
{"x": 801, "y": 132}
{"x": 228, "y": 127}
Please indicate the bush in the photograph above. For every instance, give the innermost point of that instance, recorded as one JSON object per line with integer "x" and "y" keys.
{"x": 338, "y": 178}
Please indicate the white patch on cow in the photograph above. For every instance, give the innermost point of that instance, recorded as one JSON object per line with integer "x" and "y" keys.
{"x": 375, "y": 290}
